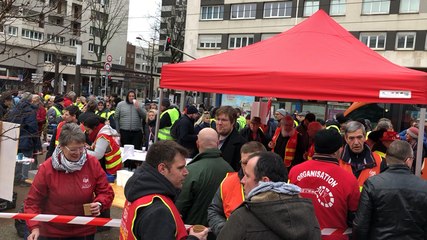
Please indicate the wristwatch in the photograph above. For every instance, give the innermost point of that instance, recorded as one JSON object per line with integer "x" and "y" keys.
{"x": 100, "y": 205}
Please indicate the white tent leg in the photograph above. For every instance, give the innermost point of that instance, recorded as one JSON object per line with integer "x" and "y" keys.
{"x": 420, "y": 141}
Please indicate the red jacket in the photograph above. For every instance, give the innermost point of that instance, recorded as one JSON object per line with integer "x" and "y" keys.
{"x": 333, "y": 191}
{"x": 41, "y": 114}
{"x": 57, "y": 192}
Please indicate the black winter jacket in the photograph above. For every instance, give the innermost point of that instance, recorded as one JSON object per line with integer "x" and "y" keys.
{"x": 231, "y": 149}
{"x": 154, "y": 221}
{"x": 393, "y": 205}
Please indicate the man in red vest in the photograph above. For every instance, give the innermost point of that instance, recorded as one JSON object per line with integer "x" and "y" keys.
{"x": 230, "y": 193}
{"x": 288, "y": 143}
{"x": 150, "y": 211}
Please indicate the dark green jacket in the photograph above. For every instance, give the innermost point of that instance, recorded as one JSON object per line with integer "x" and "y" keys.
{"x": 207, "y": 170}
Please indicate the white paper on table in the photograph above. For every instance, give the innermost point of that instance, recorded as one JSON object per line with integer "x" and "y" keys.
{"x": 9, "y": 137}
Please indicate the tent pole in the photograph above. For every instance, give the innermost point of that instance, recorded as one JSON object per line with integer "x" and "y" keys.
{"x": 156, "y": 133}
{"x": 420, "y": 141}
{"x": 296, "y": 14}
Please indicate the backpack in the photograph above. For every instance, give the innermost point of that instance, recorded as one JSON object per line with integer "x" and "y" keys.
{"x": 175, "y": 129}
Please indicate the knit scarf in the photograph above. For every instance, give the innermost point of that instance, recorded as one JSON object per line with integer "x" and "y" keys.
{"x": 95, "y": 131}
{"x": 60, "y": 162}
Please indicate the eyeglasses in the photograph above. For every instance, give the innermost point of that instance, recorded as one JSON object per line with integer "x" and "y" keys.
{"x": 75, "y": 150}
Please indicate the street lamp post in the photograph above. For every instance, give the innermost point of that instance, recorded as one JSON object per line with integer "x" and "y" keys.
{"x": 151, "y": 80}
{"x": 151, "y": 89}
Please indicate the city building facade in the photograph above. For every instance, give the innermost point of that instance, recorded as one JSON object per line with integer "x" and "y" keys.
{"x": 43, "y": 39}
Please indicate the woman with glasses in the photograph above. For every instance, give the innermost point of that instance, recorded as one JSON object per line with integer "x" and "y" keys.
{"x": 63, "y": 184}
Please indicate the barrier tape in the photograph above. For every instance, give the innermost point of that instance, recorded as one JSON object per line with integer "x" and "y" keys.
{"x": 109, "y": 222}
{"x": 94, "y": 221}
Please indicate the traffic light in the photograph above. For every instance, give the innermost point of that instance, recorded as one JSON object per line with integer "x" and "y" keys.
{"x": 102, "y": 81}
{"x": 168, "y": 44}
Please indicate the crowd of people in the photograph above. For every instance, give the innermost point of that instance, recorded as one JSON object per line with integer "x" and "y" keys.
{"x": 292, "y": 176}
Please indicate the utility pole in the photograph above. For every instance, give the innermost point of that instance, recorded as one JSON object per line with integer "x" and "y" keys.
{"x": 56, "y": 80}
{"x": 151, "y": 88}
{"x": 77, "y": 80}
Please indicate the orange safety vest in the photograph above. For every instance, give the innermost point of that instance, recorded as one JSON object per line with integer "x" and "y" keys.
{"x": 232, "y": 193}
{"x": 291, "y": 146}
{"x": 129, "y": 216}
{"x": 113, "y": 158}
{"x": 424, "y": 170}
{"x": 367, "y": 172}
{"x": 59, "y": 128}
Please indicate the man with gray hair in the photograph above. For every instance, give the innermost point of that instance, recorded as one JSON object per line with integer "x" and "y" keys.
{"x": 393, "y": 204}
{"x": 357, "y": 158}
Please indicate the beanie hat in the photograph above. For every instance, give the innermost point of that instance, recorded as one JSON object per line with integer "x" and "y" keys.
{"x": 282, "y": 111}
{"x": 166, "y": 102}
{"x": 192, "y": 109}
{"x": 413, "y": 132}
{"x": 58, "y": 99}
{"x": 327, "y": 141}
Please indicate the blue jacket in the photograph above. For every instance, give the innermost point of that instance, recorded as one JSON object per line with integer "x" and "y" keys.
{"x": 25, "y": 113}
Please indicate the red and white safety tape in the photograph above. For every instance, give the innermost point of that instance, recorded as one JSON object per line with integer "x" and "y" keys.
{"x": 94, "y": 221}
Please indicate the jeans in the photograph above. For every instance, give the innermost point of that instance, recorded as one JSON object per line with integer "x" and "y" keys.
{"x": 22, "y": 169}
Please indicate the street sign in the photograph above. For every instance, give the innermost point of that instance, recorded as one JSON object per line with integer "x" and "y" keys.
{"x": 109, "y": 58}
{"x": 107, "y": 66}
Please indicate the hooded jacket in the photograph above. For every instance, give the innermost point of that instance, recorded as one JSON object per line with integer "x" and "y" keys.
{"x": 293, "y": 218}
{"x": 154, "y": 221}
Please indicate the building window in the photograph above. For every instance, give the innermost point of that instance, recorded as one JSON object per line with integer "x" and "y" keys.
{"x": 33, "y": 35}
{"x": 376, "y": 6}
{"x": 277, "y": 9}
{"x": 375, "y": 41}
{"x": 243, "y": 11}
{"x": 210, "y": 41}
{"x": 91, "y": 47}
{"x": 56, "y": 39}
{"x": 405, "y": 41}
{"x": 12, "y": 31}
{"x": 238, "y": 41}
{"x": 409, "y": 6}
{"x": 212, "y": 12}
{"x": 138, "y": 66}
{"x": 138, "y": 55}
{"x": 73, "y": 42}
{"x": 337, "y": 8}
{"x": 310, "y": 7}
{"x": 48, "y": 57}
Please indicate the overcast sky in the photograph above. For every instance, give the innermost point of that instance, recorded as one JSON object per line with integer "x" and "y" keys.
{"x": 139, "y": 21}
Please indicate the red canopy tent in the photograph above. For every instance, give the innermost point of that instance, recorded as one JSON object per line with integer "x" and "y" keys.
{"x": 317, "y": 60}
